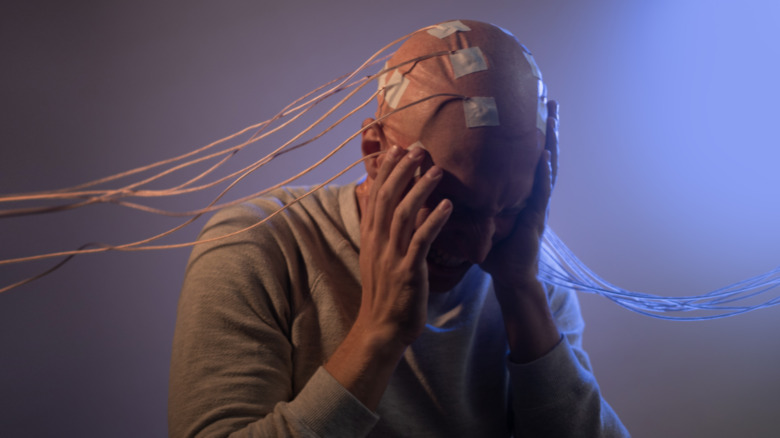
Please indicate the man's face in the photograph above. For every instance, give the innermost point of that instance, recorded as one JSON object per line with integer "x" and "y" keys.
{"x": 488, "y": 170}
{"x": 488, "y": 176}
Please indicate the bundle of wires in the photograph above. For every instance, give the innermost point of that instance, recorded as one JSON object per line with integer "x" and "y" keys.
{"x": 558, "y": 265}
{"x": 561, "y": 267}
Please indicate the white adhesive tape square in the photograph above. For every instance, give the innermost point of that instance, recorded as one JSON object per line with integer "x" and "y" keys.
{"x": 541, "y": 115}
{"x": 395, "y": 88}
{"x": 480, "y": 111}
{"x": 381, "y": 81}
{"x": 446, "y": 29}
{"x": 534, "y": 68}
{"x": 467, "y": 61}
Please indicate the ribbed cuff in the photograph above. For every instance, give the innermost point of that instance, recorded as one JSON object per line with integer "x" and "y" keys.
{"x": 329, "y": 410}
{"x": 551, "y": 379}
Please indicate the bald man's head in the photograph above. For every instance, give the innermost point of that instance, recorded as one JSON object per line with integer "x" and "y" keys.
{"x": 471, "y": 95}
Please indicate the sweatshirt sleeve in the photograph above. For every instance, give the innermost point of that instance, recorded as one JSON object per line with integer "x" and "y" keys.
{"x": 231, "y": 365}
{"x": 557, "y": 394}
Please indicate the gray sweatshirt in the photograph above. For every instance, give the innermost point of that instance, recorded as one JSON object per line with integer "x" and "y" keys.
{"x": 260, "y": 313}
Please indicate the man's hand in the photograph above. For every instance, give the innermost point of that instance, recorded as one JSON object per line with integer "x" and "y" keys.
{"x": 515, "y": 259}
{"x": 513, "y": 263}
{"x": 392, "y": 255}
{"x": 393, "y": 272}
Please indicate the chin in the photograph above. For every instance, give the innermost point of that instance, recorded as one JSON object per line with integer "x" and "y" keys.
{"x": 443, "y": 279}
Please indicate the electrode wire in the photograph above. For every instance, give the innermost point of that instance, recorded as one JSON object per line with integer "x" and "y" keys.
{"x": 559, "y": 266}
{"x": 112, "y": 195}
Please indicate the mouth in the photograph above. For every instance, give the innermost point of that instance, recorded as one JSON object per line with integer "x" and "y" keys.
{"x": 447, "y": 261}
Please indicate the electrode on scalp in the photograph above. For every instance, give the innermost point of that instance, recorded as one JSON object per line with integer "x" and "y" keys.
{"x": 480, "y": 111}
{"x": 444, "y": 30}
{"x": 395, "y": 88}
{"x": 467, "y": 61}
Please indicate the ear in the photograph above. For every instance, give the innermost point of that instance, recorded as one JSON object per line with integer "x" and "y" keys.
{"x": 372, "y": 141}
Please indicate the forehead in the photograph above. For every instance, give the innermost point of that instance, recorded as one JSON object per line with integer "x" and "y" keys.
{"x": 487, "y": 169}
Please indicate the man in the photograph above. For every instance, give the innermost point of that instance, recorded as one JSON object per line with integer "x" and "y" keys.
{"x": 407, "y": 305}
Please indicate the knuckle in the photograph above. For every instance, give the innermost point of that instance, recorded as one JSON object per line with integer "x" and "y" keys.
{"x": 384, "y": 194}
{"x": 402, "y": 214}
{"x": 420, "y": 239}
{"x": 415, "y": 245}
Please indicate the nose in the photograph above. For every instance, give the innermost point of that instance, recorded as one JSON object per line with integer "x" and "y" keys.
{"x": 476, "y": 239}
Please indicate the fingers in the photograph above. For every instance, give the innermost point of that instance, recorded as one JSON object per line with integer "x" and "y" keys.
{"x": 389, "y": 161}
{"x": 404, "y": 217}
{"x": 426, "y": 234}
{"x": 397, "y": 175}
{"x": 551, "y": 143}
{"x": 542, "y": 183}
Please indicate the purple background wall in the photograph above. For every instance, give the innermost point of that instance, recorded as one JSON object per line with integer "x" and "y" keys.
{"x": 668, "y": 184}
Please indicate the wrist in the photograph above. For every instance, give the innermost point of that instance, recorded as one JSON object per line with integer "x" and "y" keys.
{"x": 524, "y": 289}
{"x": 364, "y": 362}
{"x": 383, "y": 341}
{"x": 530, "y": 327}
{"x": 521, "y": 277}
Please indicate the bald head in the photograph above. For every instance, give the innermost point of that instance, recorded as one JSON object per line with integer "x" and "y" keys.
{"x": 465, "y": 75}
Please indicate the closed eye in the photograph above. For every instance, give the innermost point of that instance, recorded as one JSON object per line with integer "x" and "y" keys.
{"x": 514, "y": 211}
